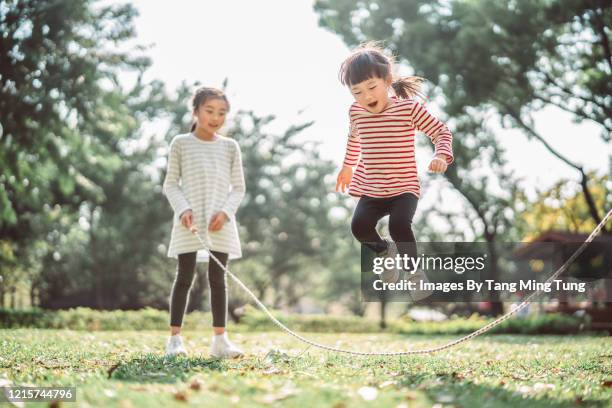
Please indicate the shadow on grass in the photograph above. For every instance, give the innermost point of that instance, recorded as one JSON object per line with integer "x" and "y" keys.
{"x": 503, "y": 338}
{"x": 159, "y": 369}
{"x": 551, "y": 339}
{"x": 448, "y": 389}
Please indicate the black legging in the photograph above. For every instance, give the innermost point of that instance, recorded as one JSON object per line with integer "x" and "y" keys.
{"x": 182, "y": 284}
{"x": 370, "y": 210}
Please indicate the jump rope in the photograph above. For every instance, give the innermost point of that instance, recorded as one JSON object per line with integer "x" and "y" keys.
{"x": 429, "y": 350}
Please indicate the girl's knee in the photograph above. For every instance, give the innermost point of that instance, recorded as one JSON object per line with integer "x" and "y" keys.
{"x": 401, "y": 232}
{"x": 183, "y": 281}
{"x": 361, "y": 227}
{"x": 217, "y": 281}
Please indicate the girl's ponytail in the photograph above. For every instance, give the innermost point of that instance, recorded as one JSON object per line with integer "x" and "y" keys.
{"x": 408, "y": 87}
{"x": 193, "y": 126}
{"x": 370, "y": 60}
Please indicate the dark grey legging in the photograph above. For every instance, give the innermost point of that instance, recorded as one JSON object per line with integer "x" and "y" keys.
{"x": 400, "y": 208}
{"x": 182, "y": 284}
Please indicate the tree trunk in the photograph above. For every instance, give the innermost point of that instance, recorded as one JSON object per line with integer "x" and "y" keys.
{"x": 32, "y": 295}
{"x": 98, "y": 277}
{"x": 558, "y": 261}
{"x": 13, "y": 293}
{"x": 589, "y": 198}
{"x": 583, "y": 176}
{"x": 497, "y": 307}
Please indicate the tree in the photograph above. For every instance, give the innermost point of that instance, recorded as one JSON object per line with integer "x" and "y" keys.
{"x": 285, "y": 219}
{"x": 561, "y": 208}
{"x": 74, "y": 179}
{"x": 513, "y": 57}
{"x": 487, "y": 56}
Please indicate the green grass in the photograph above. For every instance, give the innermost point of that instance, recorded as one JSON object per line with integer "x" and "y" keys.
{"x": 127, "y": 369}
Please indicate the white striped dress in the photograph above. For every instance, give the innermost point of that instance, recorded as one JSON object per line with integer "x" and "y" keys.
{"x": 206, "y": 177}
{"x": 382, "y": 147}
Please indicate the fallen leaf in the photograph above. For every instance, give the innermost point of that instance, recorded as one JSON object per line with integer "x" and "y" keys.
{"x": 112, "y": 369}
{"x": 196, "y": 384}
{"x": 180, "y": 396}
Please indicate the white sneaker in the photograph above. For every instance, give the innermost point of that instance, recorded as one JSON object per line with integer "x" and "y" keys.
{"x": 223, "y": 348}
{"x": 175, "y": 346}
{"x": 390, "y": 275}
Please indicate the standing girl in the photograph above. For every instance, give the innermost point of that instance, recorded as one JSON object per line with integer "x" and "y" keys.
{"x": 381, "y": 146}
{"x": 204, "y": 184}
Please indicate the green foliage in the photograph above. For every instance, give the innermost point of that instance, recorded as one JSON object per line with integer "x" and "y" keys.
{"x": 562, "y": 208}
{"x": 518, "y": 56}
{"x": 554, "y": 323}
{"x": 83, "y": 318}
{"x": 95, "y": 233}
{"x": 74, "y": 182}
{"x": 51, "y": 94}
{"x": 254, "y": 320}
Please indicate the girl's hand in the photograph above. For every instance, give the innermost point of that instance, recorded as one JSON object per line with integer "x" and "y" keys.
{"x": 217, "y": 221}
{"x": 344, "y": 178}
{"x": 438, "y": 164}
{"x": 187, "y": 221}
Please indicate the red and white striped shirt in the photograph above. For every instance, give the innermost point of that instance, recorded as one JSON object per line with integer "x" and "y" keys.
{"x": 382, "y": 147}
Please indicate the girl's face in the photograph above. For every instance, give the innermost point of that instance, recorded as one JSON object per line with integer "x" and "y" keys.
{"x": 210, "y": 116}
{"x": 372, "y": 94}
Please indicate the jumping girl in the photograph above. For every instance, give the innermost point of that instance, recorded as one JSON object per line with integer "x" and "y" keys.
{"x": 381, "y": 145}
{"x": 209, "y": 168}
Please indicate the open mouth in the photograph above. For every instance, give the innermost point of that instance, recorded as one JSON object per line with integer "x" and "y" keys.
{"x": 372, "y": 104}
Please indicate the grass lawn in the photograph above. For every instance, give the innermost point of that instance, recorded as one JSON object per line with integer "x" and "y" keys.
{"x": 127, "y": 369}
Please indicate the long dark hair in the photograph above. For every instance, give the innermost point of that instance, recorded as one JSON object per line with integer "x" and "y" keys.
{"x": 204, "y": 94}
{"x": 369, "y": 60}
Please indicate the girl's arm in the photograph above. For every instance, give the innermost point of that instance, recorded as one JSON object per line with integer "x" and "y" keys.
{"x": 171, "y": 187}
{"x": 351, "y": 158}
{"x": 237, "y": 183}
{"x": 353, "y": 146}
{"x": 437, "y": 131}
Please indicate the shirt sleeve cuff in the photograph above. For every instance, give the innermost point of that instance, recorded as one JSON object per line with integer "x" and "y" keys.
{"x": 227, "y": 213}
{"x": 182, "y": 210}
{"x": 449, "y": 155}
